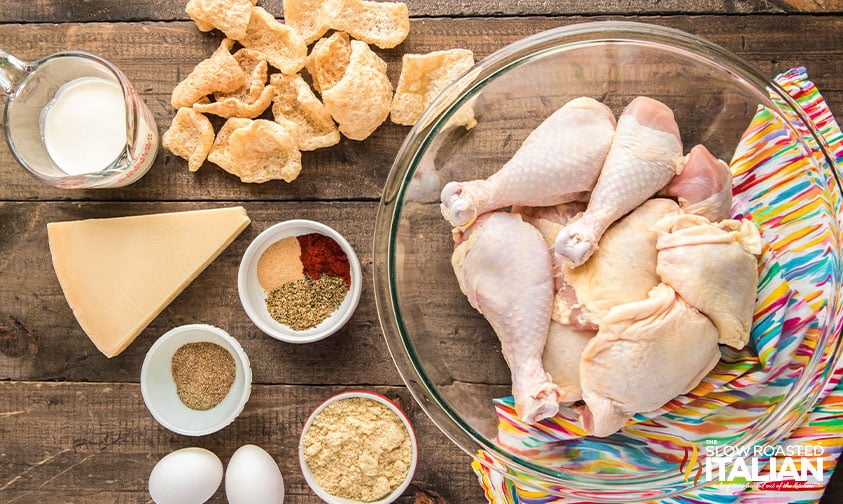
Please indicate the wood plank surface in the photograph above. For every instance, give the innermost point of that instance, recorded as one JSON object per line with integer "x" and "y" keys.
{"x": 46, "y": 457}
{"x": 357, "y": 170}
{"x": 139, "y": 10}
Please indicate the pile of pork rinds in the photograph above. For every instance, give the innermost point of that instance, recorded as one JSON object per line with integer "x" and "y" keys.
{"x": 356, "y": 95}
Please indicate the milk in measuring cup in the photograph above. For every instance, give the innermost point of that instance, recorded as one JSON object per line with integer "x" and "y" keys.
{"x": 73, "y": 121}
{"x": 84, "y": 126}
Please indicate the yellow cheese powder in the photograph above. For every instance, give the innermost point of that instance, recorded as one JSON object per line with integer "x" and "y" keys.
{"x": 358, "y": 449}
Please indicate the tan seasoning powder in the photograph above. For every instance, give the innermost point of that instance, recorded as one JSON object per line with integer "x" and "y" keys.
{"x": 358, "y": 449}
{"x": 203, "y": 373}
{"x": 280, "y": 263}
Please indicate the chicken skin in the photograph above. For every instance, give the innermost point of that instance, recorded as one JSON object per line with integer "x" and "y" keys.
{"x": 561, "y": 359}
{"x": 623, "y": 269}
{"x": 704, "y": 187}
{"x": 567, "y": 309}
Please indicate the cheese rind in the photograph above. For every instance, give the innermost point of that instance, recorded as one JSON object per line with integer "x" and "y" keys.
{"x": 119, "y": 273}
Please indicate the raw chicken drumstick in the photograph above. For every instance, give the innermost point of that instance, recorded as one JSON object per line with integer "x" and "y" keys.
{"x": 503, "y": 267}
{"x": 558, "y": 162}
{"x": 645, "y": 354}
{"x": 646, "y": 153}
{"x": 704, "y": 187}
{"x": 712, "y": 266}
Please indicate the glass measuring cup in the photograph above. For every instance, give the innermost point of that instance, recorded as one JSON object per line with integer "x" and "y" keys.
{"x": 33, "y": 90}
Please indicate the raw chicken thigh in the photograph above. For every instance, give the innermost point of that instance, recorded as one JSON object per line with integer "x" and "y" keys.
{"x": 646, "y": 153}
{"x": 558, "y": 162}
{"x": 704, "y": 187}
{"x": 712, "y": 266}
{"x": 645, "y": 354}
{"x": 561, "y": 358}
{"x": 504, "y": 268}
{"x": 623, "y": 269}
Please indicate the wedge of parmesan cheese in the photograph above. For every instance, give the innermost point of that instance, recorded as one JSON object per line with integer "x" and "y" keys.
{"x": 119, "y": 273}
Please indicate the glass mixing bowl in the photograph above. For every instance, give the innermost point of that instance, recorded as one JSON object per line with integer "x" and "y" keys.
{"x": 447, "y": 353}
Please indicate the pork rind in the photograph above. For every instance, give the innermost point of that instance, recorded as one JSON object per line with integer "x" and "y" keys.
{"x": 220, "y": 154}
{"x": 220, "y": 72}
{"x": 256, "y": 69}
{"x": 229, "y": 16}
{"x": 251, "y": 99}
{"x": 291, "y": 127}
{"x": 328, "y": 60}
{"x": 203, "y": 26}
{"x": 234, "y": 107}
{"x": 256, "y": 151}
{"x": 311, "y": 18}
{"x": 280, "y": 44}
{"x": 358, "y": 94}
{"x": 423, "y": 77}
{"x": 190, "y": 136}
{"x": 294, "y": 101}
{"x": 264, "y": 151}
{"x": 383, "y": 24}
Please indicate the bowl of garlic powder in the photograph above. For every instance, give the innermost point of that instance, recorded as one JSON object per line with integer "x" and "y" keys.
{"x": 358, "y": 447}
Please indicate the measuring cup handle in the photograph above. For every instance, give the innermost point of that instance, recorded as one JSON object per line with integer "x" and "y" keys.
{"x": 12, "y": 72}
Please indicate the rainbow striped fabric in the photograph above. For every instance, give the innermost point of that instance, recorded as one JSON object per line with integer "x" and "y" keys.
{"x": 783, "y": 182}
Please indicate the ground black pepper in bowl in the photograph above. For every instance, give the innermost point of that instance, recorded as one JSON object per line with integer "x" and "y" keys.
{"x": 203, "y": 373}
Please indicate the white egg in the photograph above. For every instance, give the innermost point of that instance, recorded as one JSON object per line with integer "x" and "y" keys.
{"x": 253, "y": 477}
{"x": 186, "y": 476}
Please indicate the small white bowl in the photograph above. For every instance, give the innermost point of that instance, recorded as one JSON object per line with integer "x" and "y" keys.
{"x": 253, "y": 296}
{"x": 159, "y": 389}
{"x": 308, "y": 474}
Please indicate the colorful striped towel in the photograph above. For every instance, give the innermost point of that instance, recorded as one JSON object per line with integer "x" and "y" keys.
{"x": 783, "y": 182}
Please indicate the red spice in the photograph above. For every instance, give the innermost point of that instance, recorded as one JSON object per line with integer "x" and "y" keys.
{"x": 321, "y": 255}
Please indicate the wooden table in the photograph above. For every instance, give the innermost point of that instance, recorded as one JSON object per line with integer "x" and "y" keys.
{"x": 73, "y": 426}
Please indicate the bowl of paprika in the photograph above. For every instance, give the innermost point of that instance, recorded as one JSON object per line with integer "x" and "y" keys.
{"x": 299, "y": 281}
